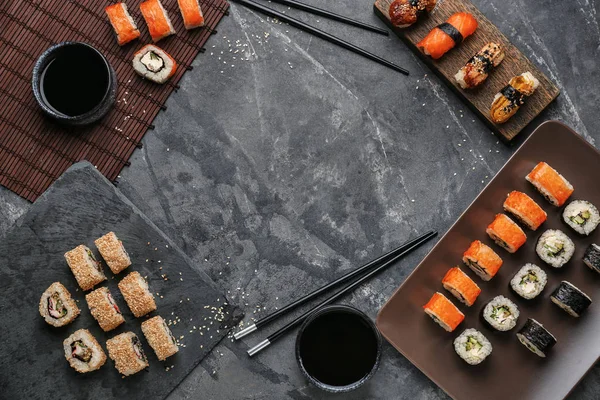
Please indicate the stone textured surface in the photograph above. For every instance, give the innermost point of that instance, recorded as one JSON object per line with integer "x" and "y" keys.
{"x": 306, "y": 160}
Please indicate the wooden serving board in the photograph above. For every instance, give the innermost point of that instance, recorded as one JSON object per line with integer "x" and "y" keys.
{"x": 480, "y": 98}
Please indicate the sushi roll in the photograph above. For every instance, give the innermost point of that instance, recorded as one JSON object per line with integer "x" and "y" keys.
{"x": 536, "y": 338}
{"x": 506, "y": 233}
{"x": 512, "y": 96}
{"x": 525, "y": 210}
{"x": 555, "y": 248}
{"x": 482, "y": 260}
{"x": 447, "y": 35}
{"x": 404, "y": 13}
{"x": 444, "y": 312}
{"x": 501, "y": 313}
{"x": 582, "y": 216}
{"x": 124, "y": 26}
{"x": 83, "y": 352}
{"x": 57, "y": 307}
{"x": 552, "y": 185}
{"x": 191, "y": 13}
{"x": 160, "y": 337}
{"x": 472, "y": 346}
{"x": 113, "y": 252}
{"x": 461, "y": 286}
{"x": 591, "y": 258}
{"x": 127, "y": 353}
{"x": 104, "y": 309}
{"x": 137, "y": 294}
{"x": 155, "y": 64}
{"x": 529, "y": 281}
{"x": 477, "y": 69}
{"x": 157, "y": 19}
{"x": 568, "y": 297}
{"x": 87, "y": 270}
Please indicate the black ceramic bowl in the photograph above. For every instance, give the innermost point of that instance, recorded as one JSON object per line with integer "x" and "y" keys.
{"x": 103, "y": 72}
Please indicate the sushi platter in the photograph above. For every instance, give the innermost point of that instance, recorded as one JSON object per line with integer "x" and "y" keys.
{"x": 525, "y": 294}
{"x": 478, "y": 36}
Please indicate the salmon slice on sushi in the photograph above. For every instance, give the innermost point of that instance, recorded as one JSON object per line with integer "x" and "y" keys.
{"x": 122, "y": 22}
{"x": 444, "y": 312}
{"x": 191, "y": 13}
{"x": 552, "y": 185}
{"x": 157, "y": 19}
{"x": 461, "y": 286}
{"x": 447, "y": 35}
{"x": 525, "y": 209}
{"x": 155, "y": 64}
{"x": 482, "y": 260}
{"x": 506, "y": 233}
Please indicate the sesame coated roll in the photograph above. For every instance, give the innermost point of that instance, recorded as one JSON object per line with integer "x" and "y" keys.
{"x": 113, "y": 252}
{"x": 83, "y": 352}
{"x": 137, "y": 294}
{"x": 85, "y": 267}
{"x": 104, "y": 309}
{"x": 127, "y": 353}
{"x": 160, "y": 337}
{"x": 57, "y": 306}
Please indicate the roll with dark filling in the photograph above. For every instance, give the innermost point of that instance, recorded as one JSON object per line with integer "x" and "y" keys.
{"x": 83, "y": 351}
{"x": 57, "y": 306}
{"x": 127, "y": 353}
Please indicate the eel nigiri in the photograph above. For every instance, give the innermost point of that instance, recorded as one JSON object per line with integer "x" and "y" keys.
{"x": 157, "y": 19}
{"x": 404, "y": 13}
{"x": 191, "y": 13}
{"x": 479, "y": 66}
{"x": 121, "y": 21}
{"x": 512, "y": 96}
{"x": 445, "y": 36}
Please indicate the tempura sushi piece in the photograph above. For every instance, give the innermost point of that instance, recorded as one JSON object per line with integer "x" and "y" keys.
{"x": 525, "y": 209}
{"x": 582, "y": 216}
{"x": 447, "y": 35}
{"x": 113, "y": 252}
{"x": 477, "y": 69}
{"x": 154, "y": 63}
{"x": 482, "y": 260}
{"x": 122, "y": 22}
{"x": 506, "y": 233}
{"x": 444, "y": 312}
{"x": 160, "y": 337}
{"x": 83, "y": 352}
{"x": 571, "y": 299}
{"x": 512, "y": 96}
{"x": 472, "y": 346}
{"x": 591, "y": 258}
{"x": 136, "y": 293}
{"x": 157, "y": 19}
{"x": 104, "y": 309}
{"x": 87, "y": 270}
{"x": 461, "y": 286}
{"x": 536, "y": 338}
{"x": 555, "y": 248}
{"x": 552, "y": 185}
{"x": 191, "y": 13}
{"x": 529, "y": 281}
{"x": 501, "y": 313}
{"x": 404, "y": 13}
{"x": 57, "y": 306}
{"x": 127, "y": 353}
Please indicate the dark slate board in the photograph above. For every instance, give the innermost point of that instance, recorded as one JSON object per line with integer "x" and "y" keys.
{"x": 79, "y": 207}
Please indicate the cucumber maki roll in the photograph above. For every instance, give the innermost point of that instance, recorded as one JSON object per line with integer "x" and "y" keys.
{"x": 529, "y": 281}
{"x": 555, "y": 248}
{"x": 568, "y": 297}
{"x": 501, "y": 313}
{"x": 591, "y": 258}
{"x": 472, "y": 346}
{"x": 582, "y": 216}
{"x": 536, "y": 338}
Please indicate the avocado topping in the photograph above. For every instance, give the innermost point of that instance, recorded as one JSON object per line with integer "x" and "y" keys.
{"x": 581, "y": 218}
{"x": 472, "y": 344}
{"x": 501, "y": 314}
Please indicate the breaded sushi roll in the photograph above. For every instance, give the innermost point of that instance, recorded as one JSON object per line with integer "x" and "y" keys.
{"x": 127, "y": 353}
{"x": 472, "y": 346}
{"x": 536, "y": 338}
{"x": 83, "y": 352}
{"x": 121, "y": 21}
{"x": 571, "y": 299}
{"x": 506, "y": 233}
{"x": 104, "y": 309}
{"x": 155, "y": 64}
{"x": 136, "y": 293}
{"x": 512, "y": 96}
{"x": 191, "y": 13}
{"x": 87, "y": 270}
{"x": 555, "y": 248}
{"x": 113, "y": 252}
{"x": 461, "y": 286}
{"x": 529, "y": 281}
{"x": 525, "y": 209}
{"x": 444, "y": 312}
{"x": 157, "y": 19}
{"x": 477, "y": 69}
{"x": 552, "y": 185}
{"x": 160, "y": 337}
{"x": 482, "y": 260}
{"x": 591, "y": 257}
{"x": 582, "y": 216}
{"x": 501, "y": 313}
{"x": 57, "y": 306}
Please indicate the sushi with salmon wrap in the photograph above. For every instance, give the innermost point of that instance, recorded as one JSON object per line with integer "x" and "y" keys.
{"x": 191, "y": 13}
{"x": 506, "y": 233}
{"x": 447, "y": 35}
{"x": 482, "y": 260}
{"x": 157, "y": 19}
{"x": 122, "y": 22}
{"x": 551, "y": 184}
{"x": 444, "y": 312}
{"x": 525, "y": 209}
{"x": 461, "y": 286}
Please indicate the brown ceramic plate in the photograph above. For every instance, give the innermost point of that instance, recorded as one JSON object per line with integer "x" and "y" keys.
{"x": 511, "y": 371}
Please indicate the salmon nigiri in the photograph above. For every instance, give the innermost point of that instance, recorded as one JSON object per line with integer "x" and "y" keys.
{"x": 445, "y": 36}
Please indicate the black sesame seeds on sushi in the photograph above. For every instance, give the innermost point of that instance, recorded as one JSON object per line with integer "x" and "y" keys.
{"x": 536, "y": 338}
{"x": 591, "y": 258}
{"x": 568, "y": 297}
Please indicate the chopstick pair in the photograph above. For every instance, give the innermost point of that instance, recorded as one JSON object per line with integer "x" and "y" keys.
{"x": 367, "y": 271}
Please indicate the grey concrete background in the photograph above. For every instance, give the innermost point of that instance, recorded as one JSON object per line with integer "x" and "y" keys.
{"x": 301, "y": 160}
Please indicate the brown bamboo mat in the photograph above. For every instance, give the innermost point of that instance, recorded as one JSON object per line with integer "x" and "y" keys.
{"x": 35, "y": 151}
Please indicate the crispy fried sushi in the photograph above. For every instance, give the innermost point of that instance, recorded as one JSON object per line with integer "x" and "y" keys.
{"x": 157, "y": 19}
{"x": 461, "y": 286}
{"x": 536, "y": 338}
{"x": 83, "y": 352}
{"x": 501, "y": 313}
{"x": 127, "y": 353}
{"x": 57, "y": 306}
{"x": 113, "y": 252}
{"x": 444, "y": 312}
{"x": 85, "y": 267}
{"x": 472, "y": 346}
{"x": 191, "y": 13}
{"x": 160, "y": 337}
{"x": 136, "y": 293}
{"x": 527, "y": 211}
{"x": 591, "y": 258}
{"x": 104, "y": 309}
{"x": 552, "y": 185}
{"x": 570, "y": 298}
{"x": 155, "y": 64}
{"x": 506, "y": 233}
{"x": 529, "y": 281}
{"x": 122, "y": 22}
{"x": 555, "y": 248}
{"x": 582, "y": 216}
{"x": 482, "y": 260}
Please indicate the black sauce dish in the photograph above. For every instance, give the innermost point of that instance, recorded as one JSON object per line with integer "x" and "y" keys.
{"x": 74, "y": 84}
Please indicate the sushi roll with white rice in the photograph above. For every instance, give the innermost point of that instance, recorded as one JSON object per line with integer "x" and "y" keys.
{"x": 472, "y": 346}
{"x": 83, "y": 351}
{"x": 57, "y": 306}
{"x": 127, "y": 353}
{"x": 536, "y": 338}
{"x": 529, "y": 281}
{"x": 154, "y": 63}
{"x": 582, "y": 216}
{"x": 555, "y": 248}
{"x": 591, "y": 258}
{"x": 501, "y": 313}
{"x": 568, "y": 297}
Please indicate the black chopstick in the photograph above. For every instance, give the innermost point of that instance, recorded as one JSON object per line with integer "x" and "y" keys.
{"x": 319, "y": 33}
{"x": 279, "y": 333}
{"x": 365, "y": 268}
{"x": 330, "y": 15}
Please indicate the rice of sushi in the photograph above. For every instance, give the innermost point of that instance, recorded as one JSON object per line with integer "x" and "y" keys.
{"x": 536, "y": 338}
{"x": 472, "y": 346}
{"x": 582, "y": 216}
{"x": 555, "y": 248}
{"x": 571, "y": 299}
{"x": 591, "y": 258}
{"x": 501, "y": 313}
{"x": 529, "y": 281}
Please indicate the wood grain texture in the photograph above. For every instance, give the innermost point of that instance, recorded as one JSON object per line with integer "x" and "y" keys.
{"x": 480, "y": 98}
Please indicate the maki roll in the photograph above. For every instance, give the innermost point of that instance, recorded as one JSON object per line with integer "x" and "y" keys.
{"x": 477, "y": 69}
{"x": 113, "y": 252}
{"x": 444, "y": 312}
{"x": 123, "y": 24}
{"x": 461, "y": 286}
{"x": 527, "y": 211}
{"x": 85, "y": 267}
{"x": 404, "y": 13}
{"x": 552, "y": 185}
{"x": 104, "y": 309}
{"x": 127, "y": 353}
{"x": 157, "y": 19}
{"x": 472, "y": 346}
{"x": 191, "y": 13}
{"x": 153, "y": 63}
{"x": 137, "y": 294}
{"x": 568, "y": 297}
{"x": 57, "y": 306}
{"x": 529, "y": 281}
{"x": 482, "y": 260}
{"x": 555, "y": 248}
{"x": 160, "y": 337}
{"x": 536, "y": 338}
{"x": 501, "y": 313}
{"x": 591, "y": 258}
{"x": 83, "y": 352}
{"x": 512, "y": 96}
{"x": 506, "y": 233}
{"x": 582, "y": 216}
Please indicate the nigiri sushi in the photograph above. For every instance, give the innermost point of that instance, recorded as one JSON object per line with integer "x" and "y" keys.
{"x": 121, "y": 21}
{"x": 445, "y": 36}
{"x": 157, "y": 19}
{"x": 512, "y": 96}
{"x": 479, "y": 66}
{"x": 404, "y": 13}
{"x": 154, "y": 63}
{"x": 191, "y": 13}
